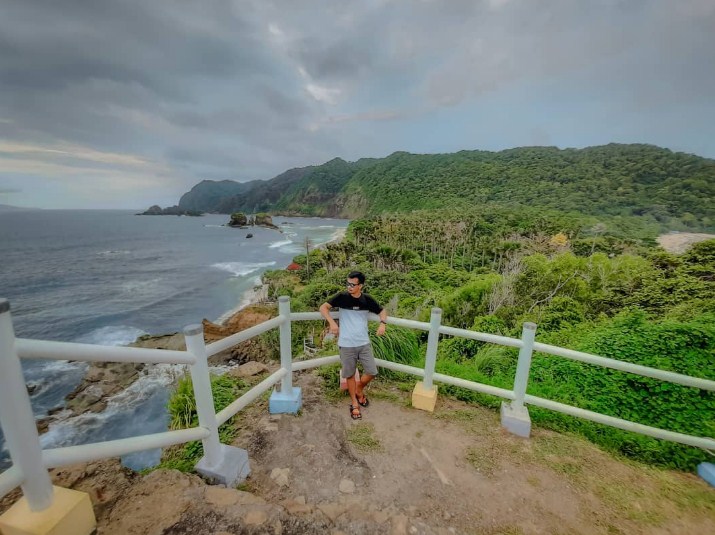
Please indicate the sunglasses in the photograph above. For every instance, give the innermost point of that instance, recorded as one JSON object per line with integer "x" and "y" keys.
{"x": 352, "y": 284}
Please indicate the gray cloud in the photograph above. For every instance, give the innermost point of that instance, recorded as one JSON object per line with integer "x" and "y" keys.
{"x": 247, "y": 89}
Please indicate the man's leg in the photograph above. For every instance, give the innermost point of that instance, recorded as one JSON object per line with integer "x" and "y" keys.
{"x": 348, "y": 359}
{"x": 360, "y": 386}
{"x": 369, "y": 372}
{"x": 352, "y": 389}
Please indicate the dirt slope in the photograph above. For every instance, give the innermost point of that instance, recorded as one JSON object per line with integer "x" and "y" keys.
{"x": 400, "y": 471}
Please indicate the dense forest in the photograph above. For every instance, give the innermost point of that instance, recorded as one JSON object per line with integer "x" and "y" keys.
{"x": 594, "y": 284}
{"x": 669, "y": 189}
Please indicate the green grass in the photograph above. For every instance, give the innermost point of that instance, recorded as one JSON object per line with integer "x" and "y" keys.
{"x": 362, "y": 436}
{"x": 182, "y": 410}
{"x": 483, "y": 461}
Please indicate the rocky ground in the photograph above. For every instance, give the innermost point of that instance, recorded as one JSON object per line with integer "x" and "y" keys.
{"x": 398, "y": 471}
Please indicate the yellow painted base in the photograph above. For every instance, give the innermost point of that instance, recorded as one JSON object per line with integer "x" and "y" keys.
{"x": 71, "y": 513}
{"x": 424, "y": 399}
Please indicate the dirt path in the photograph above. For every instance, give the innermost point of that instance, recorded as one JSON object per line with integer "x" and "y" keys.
{"x": 400, "y": 471}
{"x": 457, "y": 471}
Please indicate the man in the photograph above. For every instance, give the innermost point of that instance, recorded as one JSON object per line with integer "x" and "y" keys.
{"x": 353, "y": 339}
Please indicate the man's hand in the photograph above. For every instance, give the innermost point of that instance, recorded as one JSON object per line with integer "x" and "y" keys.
{"x": 380, "y": 330}
{"x": 334, "y": 329}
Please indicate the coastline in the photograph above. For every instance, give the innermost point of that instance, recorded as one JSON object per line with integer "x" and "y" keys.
{"x": 259, "y": 293}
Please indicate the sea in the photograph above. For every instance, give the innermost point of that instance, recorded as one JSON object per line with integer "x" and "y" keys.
{"x": 106, "y": 277}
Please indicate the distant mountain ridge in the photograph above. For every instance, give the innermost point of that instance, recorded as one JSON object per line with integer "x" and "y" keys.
{"x": 611, "y": 179}
{"x": 10, "y": 208}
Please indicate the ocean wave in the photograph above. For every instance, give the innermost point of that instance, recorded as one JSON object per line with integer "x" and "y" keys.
{"x": 293, "y": 248}
{"x": 66, "y": 431}
{"x": 277, "y": 244}
{"x": 112, "y": 335}
{"x": 241, "y": 269}
{"x": 41, "y": 369}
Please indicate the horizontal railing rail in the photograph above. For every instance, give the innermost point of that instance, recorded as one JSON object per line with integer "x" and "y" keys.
{"x": 56, "y": 457}
{"x": 249, "y": 397}
{"x": 41, "y": 349}
{"x": 637, "y": 369}
{"x": 235, "y": 339}
{"x": 24, "y": 470}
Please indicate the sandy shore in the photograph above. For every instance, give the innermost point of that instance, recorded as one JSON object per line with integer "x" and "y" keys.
{"x": 679, "y": 242}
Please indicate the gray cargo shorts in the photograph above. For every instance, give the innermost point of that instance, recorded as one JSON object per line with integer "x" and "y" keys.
{"x": 350, "y": 356}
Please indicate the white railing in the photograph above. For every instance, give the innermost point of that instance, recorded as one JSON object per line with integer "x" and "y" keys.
{"x": 30, "y": 462}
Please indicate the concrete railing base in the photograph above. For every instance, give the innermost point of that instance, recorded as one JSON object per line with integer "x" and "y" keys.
{"x": 707, "y": 472}
{"x": 515, "y": 420}
{"x": 424, "y": 399}
{"x": 290, "y": 403}
{"x": 71, "y": 513}
{"x": 233, "y": 467}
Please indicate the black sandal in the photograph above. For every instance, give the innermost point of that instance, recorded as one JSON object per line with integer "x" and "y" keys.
{"x": 353, "y": 414}
{"x": 365, "y": 402}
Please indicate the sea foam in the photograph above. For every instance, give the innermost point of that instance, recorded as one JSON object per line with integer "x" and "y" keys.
{"x": 241, "y": 269}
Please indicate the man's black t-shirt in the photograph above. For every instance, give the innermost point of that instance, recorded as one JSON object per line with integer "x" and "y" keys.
{"x": 347, "y": 301}
{"x": 353, "y": 317}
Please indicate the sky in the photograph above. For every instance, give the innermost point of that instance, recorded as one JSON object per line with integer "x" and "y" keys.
{"x": 126, "y": 104}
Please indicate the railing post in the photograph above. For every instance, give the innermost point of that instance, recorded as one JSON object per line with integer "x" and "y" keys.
{"x": 288, "y": 399}
{"x": 18, "y": 422}
{"x": 432, "y": 341}
{"x": 515, "y": 416}
{"x": 424, "y": 395}
{"x": 194, "y": 335}
{"x": 286, "y": 344}
{"x": 523, "y": 366}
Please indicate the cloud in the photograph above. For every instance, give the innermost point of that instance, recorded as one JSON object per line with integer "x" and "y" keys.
{"x": 323, "y": 94}
{"x": 164, "y": 94}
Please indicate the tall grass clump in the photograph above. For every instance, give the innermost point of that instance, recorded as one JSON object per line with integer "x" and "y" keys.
{"x": 182, "y": 411}
{"x": 397, "y": 345}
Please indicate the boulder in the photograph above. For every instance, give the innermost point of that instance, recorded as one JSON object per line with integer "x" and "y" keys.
{"x": 238, "y": 219}
{"x": 264, "y": 220}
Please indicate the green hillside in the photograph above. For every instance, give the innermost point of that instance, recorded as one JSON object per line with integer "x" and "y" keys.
{"x": 673, "y": 189}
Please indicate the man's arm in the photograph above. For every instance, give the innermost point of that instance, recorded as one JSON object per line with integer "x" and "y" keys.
{"x": 383, "y": 322}
{"x": 325, "y": 312}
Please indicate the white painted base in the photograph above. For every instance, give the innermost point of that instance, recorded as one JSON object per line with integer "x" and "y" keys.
{"x": 515, "y": 420}
{"x": 232, "y": 469}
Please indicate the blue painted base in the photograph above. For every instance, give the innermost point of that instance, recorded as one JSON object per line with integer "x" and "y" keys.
{"x": 707, "y": 472}
{"x": 280, "y": 403}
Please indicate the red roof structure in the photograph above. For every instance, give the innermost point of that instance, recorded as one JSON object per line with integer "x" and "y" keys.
{"x": 293, "y": 267}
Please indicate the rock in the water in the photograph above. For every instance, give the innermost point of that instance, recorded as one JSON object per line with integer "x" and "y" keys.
{"x": 264, "y": 220}
{"x": 238, "y": 219}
